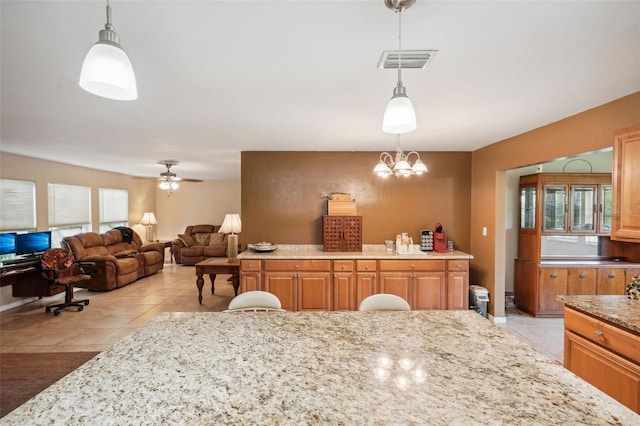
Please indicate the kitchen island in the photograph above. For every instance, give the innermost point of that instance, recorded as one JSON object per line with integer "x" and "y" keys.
{"x": 602, "y": 344}
{"x": 304, "y": 277}
{"x": 327, "y": 368}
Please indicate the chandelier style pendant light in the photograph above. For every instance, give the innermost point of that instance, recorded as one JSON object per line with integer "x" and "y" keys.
{"x": 106, "y": 70}
{"x": 399, "y": 164}
{"x": 399, "y": 116}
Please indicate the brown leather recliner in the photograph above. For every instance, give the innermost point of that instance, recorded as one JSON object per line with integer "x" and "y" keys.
{"x": 197, "y": 243}
{"x": 117, "y": 262}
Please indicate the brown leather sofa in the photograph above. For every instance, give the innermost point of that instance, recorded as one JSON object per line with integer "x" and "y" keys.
{"x": 197, "y": 243}
{"x": 117, "y": 261}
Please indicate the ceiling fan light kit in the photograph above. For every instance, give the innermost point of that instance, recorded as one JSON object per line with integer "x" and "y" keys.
{"x": 169, "y": 180}
{"x": 107, "y": 70}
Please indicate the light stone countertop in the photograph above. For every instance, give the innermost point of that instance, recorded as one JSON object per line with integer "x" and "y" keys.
{"x": 619, "y": 310}
{"x": 327, "y": 368}
{"x": 369, "y": 251}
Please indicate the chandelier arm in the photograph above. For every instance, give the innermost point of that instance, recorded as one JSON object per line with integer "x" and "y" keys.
{"x": 385, "y": 156}
{"x": 413, "y": 152}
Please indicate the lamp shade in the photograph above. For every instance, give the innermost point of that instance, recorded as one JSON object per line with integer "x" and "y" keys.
{"x": 148, "y": 218}
{"x": 399, "y": 116}
{"x": 381, "y": 169}
{"x": 107, "y": 72}
{"x": 231, "y": 224}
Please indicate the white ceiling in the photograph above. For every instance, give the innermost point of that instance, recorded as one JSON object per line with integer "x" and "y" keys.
{"x": 219, "y": 77}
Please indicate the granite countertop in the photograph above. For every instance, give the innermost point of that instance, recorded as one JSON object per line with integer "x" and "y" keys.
{"x": 593, "y": 262}
{"x": 619, "y": 310}
{"x": 350, "y": 368}
{"x": 369, "y": 251}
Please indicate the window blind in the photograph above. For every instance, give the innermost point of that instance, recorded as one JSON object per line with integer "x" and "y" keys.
{"x": 114, "y": 205}
{"x": 17, "y": 205}
{"x": 69, "y": 204}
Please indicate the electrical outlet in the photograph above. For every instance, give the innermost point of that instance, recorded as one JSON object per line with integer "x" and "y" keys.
{"x": 484, "y": 231}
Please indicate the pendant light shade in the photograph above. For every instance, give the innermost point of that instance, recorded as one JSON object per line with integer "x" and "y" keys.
{"x": 399, "y": 116}
{"x": 107, "y": 70}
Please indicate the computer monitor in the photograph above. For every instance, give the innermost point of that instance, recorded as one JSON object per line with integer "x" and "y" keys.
{"x": 7, "y": 243}
{"x": 33, "y": 242}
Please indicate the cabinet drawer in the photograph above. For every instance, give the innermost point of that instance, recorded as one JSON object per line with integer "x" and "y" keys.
{"x": 412, "y": 265}
{"x": 342, "y": 265}
{"x": 297, "y": 265}
{"x": 457, "y": 265}
{"x": 366, "y": 265}
{"x": 608, "y": 336}
{"x": 250, "y": 265}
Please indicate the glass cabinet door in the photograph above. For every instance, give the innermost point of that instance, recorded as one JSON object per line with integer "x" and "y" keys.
{"x": 528, "y": 207}
{"x": 555, "y": 208}
{"x": 583, "y": 208}
{"x": 605, "y": 210}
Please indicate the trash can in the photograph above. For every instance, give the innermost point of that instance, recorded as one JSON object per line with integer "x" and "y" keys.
{"x": 478, "y": 299}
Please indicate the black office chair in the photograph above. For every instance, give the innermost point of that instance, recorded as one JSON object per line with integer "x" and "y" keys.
{"x": 57, "y": 267}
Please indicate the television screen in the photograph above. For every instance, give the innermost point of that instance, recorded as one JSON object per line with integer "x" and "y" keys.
{"x": 33, "y": 242}
{"x": 8, "y": 243}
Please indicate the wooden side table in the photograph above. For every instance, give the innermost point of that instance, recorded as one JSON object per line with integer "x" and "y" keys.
{"x": 214, "y": 266}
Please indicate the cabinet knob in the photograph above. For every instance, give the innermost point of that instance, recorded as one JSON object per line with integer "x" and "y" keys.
{"x": 297, "y": 266}
{"x": 598, "y": 333}
{"x": 366, "y": 267}
{"x": 342, "y": 267}
{"x": 413, "y": 266}
{"x": 611, "y": 276}
{"x": 582, "y": 276}
{"x": 554, "y": 275}
{"x": 459, "y": 266}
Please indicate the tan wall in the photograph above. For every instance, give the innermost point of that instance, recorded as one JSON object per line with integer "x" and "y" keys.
{"x": 588, "y": 131}
{"x": 284, "y": 195}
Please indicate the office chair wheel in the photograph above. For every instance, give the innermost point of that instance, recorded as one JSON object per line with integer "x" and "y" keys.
{"x": 80, "y": 308}
{"x": 47, "y": 309}
{"x": 86, "y": 302}
{"x": 56, "y": 313}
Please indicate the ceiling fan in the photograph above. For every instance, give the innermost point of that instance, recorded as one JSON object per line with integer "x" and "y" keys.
{"x": 169, "y": 180}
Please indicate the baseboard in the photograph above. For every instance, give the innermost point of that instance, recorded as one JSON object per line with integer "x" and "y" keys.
{"x": 17, "y": 303}
{"x": 497, "y": 320}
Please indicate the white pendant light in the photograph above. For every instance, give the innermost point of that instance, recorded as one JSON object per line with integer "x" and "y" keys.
{"x": 399, "y": 116}
{"x": 107, "y": 70}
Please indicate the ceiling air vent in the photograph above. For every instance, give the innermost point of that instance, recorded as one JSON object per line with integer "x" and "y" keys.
{"x": 410, "y": 59}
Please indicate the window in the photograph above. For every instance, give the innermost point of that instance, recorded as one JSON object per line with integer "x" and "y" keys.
{"x": 69, "y": 211}
{"x": 17, "y": 205}
{"x": 114, "y": 208}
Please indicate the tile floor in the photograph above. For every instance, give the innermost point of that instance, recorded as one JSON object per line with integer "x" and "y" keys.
{"x": 112, "y": 315}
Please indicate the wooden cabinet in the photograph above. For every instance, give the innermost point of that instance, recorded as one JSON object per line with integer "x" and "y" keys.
{"x": 420, "y": 282}
{"x": 604, "y": 355}
{"x": 251, "y": 279}
{"x": 366, "y": 279}
{"x": 342, "y": 233}
{"x": 581, "y": 281}
{"x": 552, "y": 282}
{"x": 457, "y": 284}
{"x": 611, "y": 281}
{"x": 344, "y": 286}
{"x": 341, "y": 284}
{"x": 626, "y": 186}
{"x": 299, "y": 284}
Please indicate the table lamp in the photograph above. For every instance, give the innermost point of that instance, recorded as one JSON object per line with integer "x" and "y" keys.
{"x": 148, "y": 220}
{"x": 231, "y": 225}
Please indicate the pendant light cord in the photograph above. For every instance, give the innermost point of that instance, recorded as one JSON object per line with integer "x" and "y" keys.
{"x": 400, "y": 47}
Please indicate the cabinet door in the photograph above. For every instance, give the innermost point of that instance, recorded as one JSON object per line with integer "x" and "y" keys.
{"x": 314, "y": 291}
{"x": 528, "y": 207}
{"x": 610, "y": 373}
{"x": 581, "y": 281}
{"x": 398, "y": 283}
{"x": 429, "y": 291}
{"x": 250, "y": 281}
{"x": 626, "y": 186}
{"x": 344, "y": 292}
{"x": 458, "y": 290}
{"x": 583, "y": 208}
{"x": 552, "y": 282}
{"x": 611, "y": 281}
{"x": 555, "y": 208}
{"x": 352, "y": 227}
{"x": 605, "y": 209}
{"x": 283, "y": 285}
{"x": 366, "y": 285}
